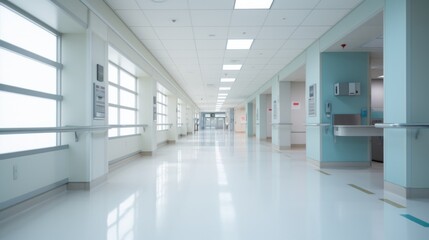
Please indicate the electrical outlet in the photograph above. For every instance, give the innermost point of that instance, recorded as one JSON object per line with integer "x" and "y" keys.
{"x": 15, "y": 172}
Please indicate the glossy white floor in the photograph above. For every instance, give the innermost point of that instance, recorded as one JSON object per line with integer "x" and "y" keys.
{"x": 217, "y": 185}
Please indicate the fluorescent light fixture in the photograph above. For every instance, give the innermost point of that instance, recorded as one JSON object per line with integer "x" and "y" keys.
{"x": 220, "y": 100}
{"x": 224, "y": 88}
{"x": 232, "y": 67}
{"x": 382, "y": 76}
{"x": 221, "y": 97}
{"x": 239, "y": 43}
{"x": 227, "y": 80}
{"x": 222, "y": 94}
{"x": 253, "y": 4}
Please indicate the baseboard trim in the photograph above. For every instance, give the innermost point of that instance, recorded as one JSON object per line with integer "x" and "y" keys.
{"x": 298, "y": 145}
{"x": 25, "y": 202}
{"x": 406, "y": 192}
{"x": 146, "y": 153}
{"x": 171, "y": 141}
{"x": 119, "y": 162}
{"x": 87, "y": 185}
{"x": 280, "y": 148}
{"x": 320, "y": 164}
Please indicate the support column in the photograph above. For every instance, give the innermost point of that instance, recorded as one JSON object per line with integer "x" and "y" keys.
{"x": 281, "y": 112}
{"x": 172, "y": 118}
{"x": 148, "y": 114}
{"x": 249, "y": 117}
{"x": 406, "y": 85}
{"x": 231, "y": 120}
{"x": 261, "y": 117}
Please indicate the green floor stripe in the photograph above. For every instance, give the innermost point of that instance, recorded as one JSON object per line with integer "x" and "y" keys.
{"x": 416, "y": 220}
{"x": 323, "y": 172}
{"x": 360, "y": 189}
{"x": 392, "y": 203}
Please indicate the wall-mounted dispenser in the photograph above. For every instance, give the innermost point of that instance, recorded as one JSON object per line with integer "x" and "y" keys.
{"x": 328, "y": 109}
{"x": 347, "y": 89}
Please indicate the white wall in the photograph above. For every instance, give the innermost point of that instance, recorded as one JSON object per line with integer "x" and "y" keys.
{"x": 269, "y": 116}
{"x": 118, "y": 148}
{"x": 298, "y": 115}
{"x": 239, "y": 125}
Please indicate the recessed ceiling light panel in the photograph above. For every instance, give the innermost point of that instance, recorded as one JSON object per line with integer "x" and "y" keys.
{"x": 224, "y": 88}
{"x": 239, "y": 43}
{"x": 232, "y": 67}
{"x": 227, "y": 80}
{"x": 253, "y": 4}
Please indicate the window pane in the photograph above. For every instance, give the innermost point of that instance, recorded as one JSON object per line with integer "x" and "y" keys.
{"x": 23, "y": 72}
{"x": 127, "y": 99}
{"x": 127, "y": 116}
{"x": 113, "y": 94}
{"x": 25, "y": 34}
{"x": 128, "y": 131}
{"x": 128, "y": 81}
{"x": 113, "y": 73}
{"x": 22, "y": 142}
{"x": 18, "y": 110}
{"x": 113, "y": 115}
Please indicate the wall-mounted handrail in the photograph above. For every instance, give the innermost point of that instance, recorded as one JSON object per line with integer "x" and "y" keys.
{"x": 402, "y": 125}
{"x": 317, "y": 124}
{"x": 417, "y": 126}
{"x": 75, "y": 129}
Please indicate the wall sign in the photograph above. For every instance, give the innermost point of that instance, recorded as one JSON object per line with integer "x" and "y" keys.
{"x": 99, "y": 101}
{"x": 312, "y": 100}
{"x": 295, "y": 105}
{"x": 100, "y": 73}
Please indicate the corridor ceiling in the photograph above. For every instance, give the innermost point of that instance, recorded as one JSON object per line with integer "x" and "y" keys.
{"x": 189, "y": 38}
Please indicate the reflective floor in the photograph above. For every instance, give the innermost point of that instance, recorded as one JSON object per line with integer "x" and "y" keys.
{"x": 218, "y": 185}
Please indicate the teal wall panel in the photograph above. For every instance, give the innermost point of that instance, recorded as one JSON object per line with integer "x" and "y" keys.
{"x": 344, "y": 67}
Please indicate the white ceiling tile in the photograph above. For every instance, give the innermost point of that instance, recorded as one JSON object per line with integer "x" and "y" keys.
{"x": 324, "y": 17}
{"x": 335, "y": 4}
{"x": 123, "y": 4}
{"x": 168, "y": 18}
{"x": 210, "y": 44}
{"x": 243, "y": 32}
{"x": 217, "y": 4}
{"x": 233, "y": 60}
{"x": 178, "y": 60}
{"x": 182, "y": 54}
{"x": 257, "y": 61}
{"x": 210, "y": 68}
{"x": 210, "y": 32}
{"x": 286, "y": 17}
{"x": 211, "y": 53}
{"x": 279, "y": 61}
{"x": 178, "y": 44}
{"x": 211, "y": 60}
{"x": 176, "y": 4}
{"x": 144, "y": 32}
{"x": 261, "y": 53}
{"x": 276, "y": 32}
{"x": 236, "y": 53}
{"x": 251, "y": 67}
{"x": 287, "y": 53}
{"x": 274, "y": 66}
{"x": 153, "y": 44}
{"x": 133, "y": 18}
{"x": 248, "y": 17}
{"x": 297, "y": 43}
{"x": 309, "y": 32}
{"x": 211, "y": 18}
{"x": 267, "y": 44}
{"x": 174, "y": 32}
{"x": 301, "y": 4}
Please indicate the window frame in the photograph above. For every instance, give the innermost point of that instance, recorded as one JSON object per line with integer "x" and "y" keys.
{"x": 119, "y": 106}
{"x": 161, "y": 104}
{"x": 37, "y": 58}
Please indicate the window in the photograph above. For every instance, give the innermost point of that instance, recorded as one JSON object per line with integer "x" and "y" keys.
{"x": 161, "y": 108}
{"x": 123, "y": 95}
{"x": 29, "y": 79}
{"x": 179, "y": 112}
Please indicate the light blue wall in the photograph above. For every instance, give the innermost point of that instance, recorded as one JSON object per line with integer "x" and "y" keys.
{"x": 344, "y": 67}
{"x": 406, "y": 87}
